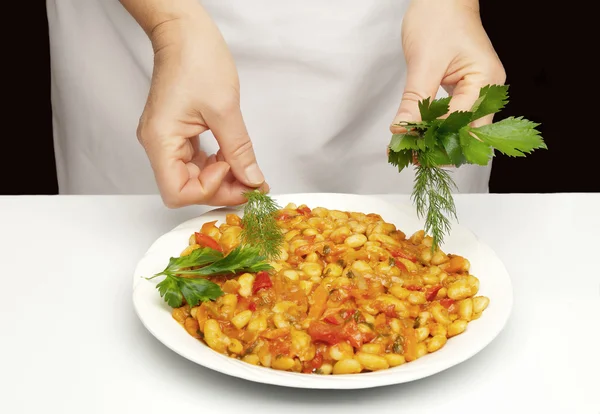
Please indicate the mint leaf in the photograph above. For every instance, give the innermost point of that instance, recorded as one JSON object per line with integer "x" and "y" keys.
{"x": 400, "y": 159}
{"x": 475, "y": 151}
{"x": 198, "y": 290}
{"x": 492, "y": 99}
{"x": 454, "y": 122}
{"x": 403, "y": 142}
{"x": 451, "y": 143}
{"x": 431, "y": 111}
{"x": 512, "y": 136}
{"x": 169, "y": 290}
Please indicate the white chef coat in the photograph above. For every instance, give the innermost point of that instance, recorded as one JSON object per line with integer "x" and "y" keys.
{"x": 321, "y": 82}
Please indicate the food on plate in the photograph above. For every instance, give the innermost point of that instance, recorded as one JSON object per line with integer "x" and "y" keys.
{"x": 347, "y": 293}
{"x": 443, "y": 139}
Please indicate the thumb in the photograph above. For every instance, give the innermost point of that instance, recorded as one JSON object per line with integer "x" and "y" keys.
{"x": 422, "y": 81}
{"x": 229, "y": 129}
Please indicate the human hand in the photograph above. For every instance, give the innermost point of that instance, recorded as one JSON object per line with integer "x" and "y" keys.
{"x": 195, "y": 88}
{"x": 446, "y": 45}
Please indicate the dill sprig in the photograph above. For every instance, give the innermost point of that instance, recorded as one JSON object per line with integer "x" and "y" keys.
{"x": 432, "y": 195}
{"x": 259, "y": 224}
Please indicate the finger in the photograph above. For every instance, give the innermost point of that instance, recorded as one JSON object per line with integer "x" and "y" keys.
{"x": 422, "y": 81}
{"x": 230, "y": 132}
{"x": 179, "y": 174}
{"x": 466, "y": 91}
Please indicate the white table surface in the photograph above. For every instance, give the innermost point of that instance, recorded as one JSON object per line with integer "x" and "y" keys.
{"x": 71, "y": 342}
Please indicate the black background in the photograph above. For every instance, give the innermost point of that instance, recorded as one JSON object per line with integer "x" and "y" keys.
{"x": 524, "y": 41}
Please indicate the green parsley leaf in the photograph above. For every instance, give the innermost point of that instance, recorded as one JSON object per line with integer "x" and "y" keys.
{"x": 451, "y": 143}
{"x": 475, "y": 151}
{"x": 400, "y": 159}
{"x": 454, "y": 122}
{"x": 435, "y": 109}
{"x": 243, "y": 258}
{"x": 169, "y": 289}
{"x": 430, "y": 136}
{"x": 434, "y": 157}
{"x": 403, "y": 142}
{"x": 511, "y": 136}
{"x": 173, "y": 289}
{"x": 198, "y": 257}
{"x": 198, "y": 290}
{"x": 492, "y": 99}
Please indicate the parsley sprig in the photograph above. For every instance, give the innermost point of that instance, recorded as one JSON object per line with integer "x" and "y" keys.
{"x": 185, "y": 276}
{"x": 435, "y": 142}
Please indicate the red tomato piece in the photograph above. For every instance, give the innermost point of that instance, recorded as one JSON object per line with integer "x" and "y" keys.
{"x": 412, "y": 288}
{"x": 322, "y": 332}
{"x": 207, "y": 241}
{"x": 352, "y": 334}
{"x": 390, "y": 311}
{"x": 334, "y": 319}
{"x": 304, "y": 210}
{"x": 400, "y": 253}
{"x": 262, "y": 281}
{"x": 447, "y": 302}
{"x": 252, "y": 306}
{"x": 432, "y": 292}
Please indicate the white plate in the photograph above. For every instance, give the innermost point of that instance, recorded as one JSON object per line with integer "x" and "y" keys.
{"x": 494, "y": 283}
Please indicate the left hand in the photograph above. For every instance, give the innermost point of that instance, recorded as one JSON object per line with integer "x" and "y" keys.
{"x": 446, "y": 45}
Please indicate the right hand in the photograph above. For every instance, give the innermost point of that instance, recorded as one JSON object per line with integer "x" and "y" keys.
{"x": 195, "y": 88}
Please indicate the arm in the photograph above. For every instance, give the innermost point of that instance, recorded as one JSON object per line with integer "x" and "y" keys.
{"x": 150, "y": 14}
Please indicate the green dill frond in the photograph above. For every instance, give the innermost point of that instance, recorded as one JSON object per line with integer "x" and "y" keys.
{"x": 259, "y": 224}
{"x": 432, "y": 195}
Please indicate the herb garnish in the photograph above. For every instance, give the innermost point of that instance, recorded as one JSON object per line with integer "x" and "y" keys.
{"x": 434, "y": 143}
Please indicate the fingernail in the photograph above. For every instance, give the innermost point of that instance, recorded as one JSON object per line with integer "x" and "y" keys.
{"x": 403, "y": 117}
{"x": 253, "y": 174}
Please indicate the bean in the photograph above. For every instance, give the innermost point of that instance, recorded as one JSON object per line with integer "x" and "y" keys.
{"x": 416, "y": 298}
{"x": 241, "y": 319}
{"x": 436, "y": 343}
{"x": 372, "y": 348}
{"x": 246, "y": 281}
{"x": 398, "y": 291}
{"x": 440, "y": 314}
{"x": 457, "y": 327}
{"x": 342, "y": 350}
{"x": 214, "y": 337}
{"x": 251, "y": 359}
{"x": 394, "y": 359}
{"x": 235, "y": 347}
{"x": 480, "y": 303}
{"x": 311, "y": 269}
{"x": 355, "y": 240}
{"x": 326, "y": 369}
{"x": 422, "y": 333}
{"x": 282, "y": 363}
{"x": 347, "y": 366}
{"x": 372, "y": 362}
{"x": 459, "y": 290}
{"x": 465, "y": 309}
